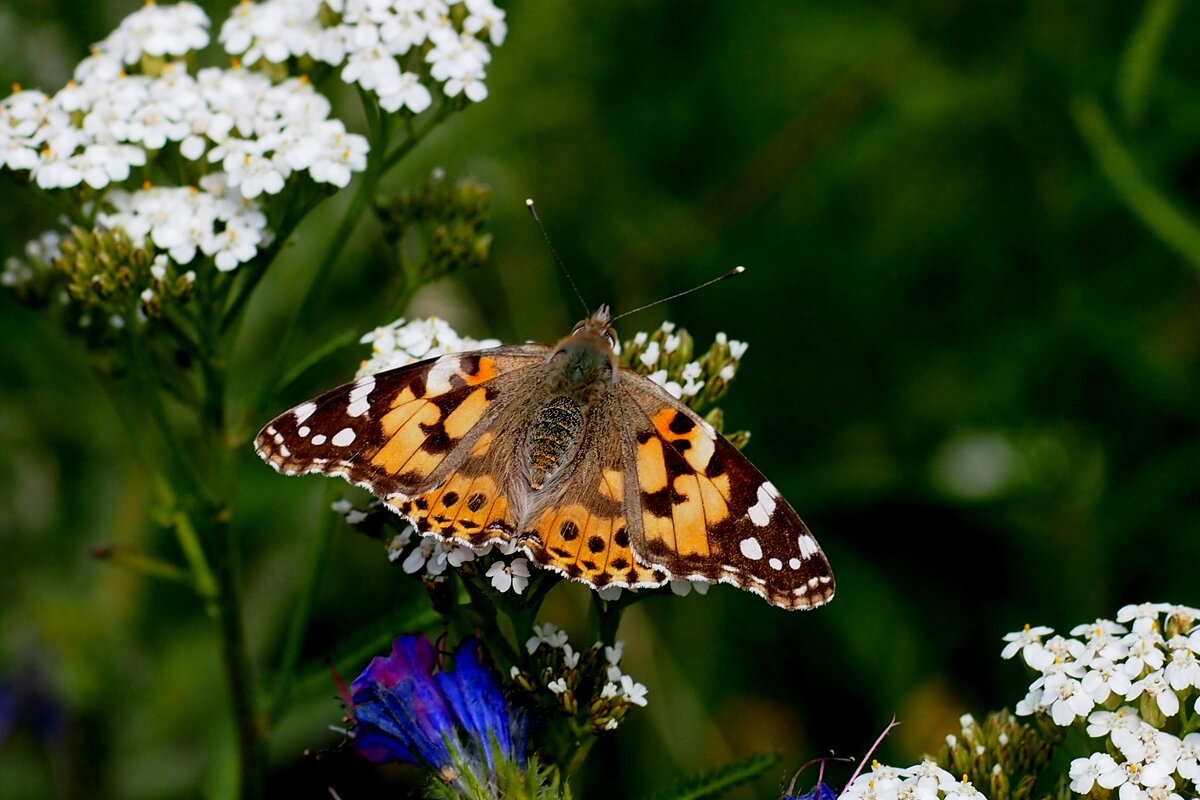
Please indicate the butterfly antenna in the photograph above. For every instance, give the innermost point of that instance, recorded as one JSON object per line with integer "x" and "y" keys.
{"x": 533, "y": 210}
{"x": 730, "y": 274}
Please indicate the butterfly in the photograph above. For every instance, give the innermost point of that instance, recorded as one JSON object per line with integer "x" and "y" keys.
{"x": 597, "y": 472}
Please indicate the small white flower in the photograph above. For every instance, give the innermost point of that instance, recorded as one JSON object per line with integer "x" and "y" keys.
{"x": 672, "y": 387}
{"x": 1145, "y": 650}
{"x": 549, "y": 634}
{"x": 961, "y": 790}
{"x": 459, "y": 554}
{"x": 570, "y": 657}
{"x": 557, "y": 686}
{"x": 1103, "y": 679}
{"x": 406, "y": 92}
{"x": 1156, "y": 687}
{"x": 684, "y": 586}
{"x": 650, "y": 356}
{"x": 428, "y": 555}
{"x": 514, "y": 576}
{"x": 1099, "y": 768}
{"x": 1029, "y": 642}
{"x": 1187, "y": 762}
{"x": 1183, "y": 670}
{"x": 1105, "y": 723}
{"x": 611, "y": 593}
{"x": 633, "y": 692}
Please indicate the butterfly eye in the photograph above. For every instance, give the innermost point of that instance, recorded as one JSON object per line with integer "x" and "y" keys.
{"x": 611, "y": 337}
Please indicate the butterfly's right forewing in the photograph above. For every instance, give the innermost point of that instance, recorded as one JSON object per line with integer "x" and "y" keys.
{"x": 703, "y": 511}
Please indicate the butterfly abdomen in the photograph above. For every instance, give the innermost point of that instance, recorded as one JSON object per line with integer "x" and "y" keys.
{"x": 553, "y": 438}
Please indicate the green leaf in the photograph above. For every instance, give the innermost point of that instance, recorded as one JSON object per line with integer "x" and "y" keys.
{"x": 719, "y": 781}
{"x": 1119, "y": 166}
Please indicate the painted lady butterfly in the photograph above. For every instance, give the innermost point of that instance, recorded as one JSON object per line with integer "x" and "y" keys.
{"x": 596, "y": 471}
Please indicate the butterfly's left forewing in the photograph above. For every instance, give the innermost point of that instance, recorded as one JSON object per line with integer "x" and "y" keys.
{"x": 401, "y": 433}
{"x": 705, "y": 512}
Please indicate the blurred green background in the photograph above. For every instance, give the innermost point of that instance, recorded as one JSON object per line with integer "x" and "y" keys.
{"x": 973, "y": 310}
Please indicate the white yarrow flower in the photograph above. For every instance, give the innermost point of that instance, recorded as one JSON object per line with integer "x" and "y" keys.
{"x": 514, "y": 576}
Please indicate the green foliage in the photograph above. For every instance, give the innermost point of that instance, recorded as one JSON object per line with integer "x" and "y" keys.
{"x": 964, "y": 224}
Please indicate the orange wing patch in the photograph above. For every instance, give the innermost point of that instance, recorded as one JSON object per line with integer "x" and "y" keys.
{"x": 467, "y": 508}
{"x": 588, "y": 547}
{"x": 420, "y": 430}
{"x": 681, "y": 504}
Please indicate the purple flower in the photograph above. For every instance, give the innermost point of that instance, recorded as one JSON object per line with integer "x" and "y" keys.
{"x": 819, "y": 792}
{"x": 408, "y": 710}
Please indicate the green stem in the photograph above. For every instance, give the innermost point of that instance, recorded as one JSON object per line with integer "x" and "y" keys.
{"x": 253, "y": 273}
{"x": 416, "y": 136}
{"x": 1142, "y": 56}
{"x": 1121, "y": 170}
{"x": 485, "y": 607}
{"x": 124, "y": 558}
{"x": 609, "y": 617}
{"x": 316, "y": 290}
{"x": 202, "y": 574}
{"x": 141, "y": 368}
{"x": 250, "y": 733}
{"x": 318, "y": 555}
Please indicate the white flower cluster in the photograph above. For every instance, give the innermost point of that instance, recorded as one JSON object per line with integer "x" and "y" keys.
{"x": 106, "y": 122}
{"x": 1147, "y": 655}
{"x": 924, "y": 781}
{"x": 617, "y": 685}
{"x": 373, "y": 40}
{"x": 405, "y": 342}
{"x": 182, "y": 221}
{"x": 686, "y": 383}
{"x": 429, "y": 556}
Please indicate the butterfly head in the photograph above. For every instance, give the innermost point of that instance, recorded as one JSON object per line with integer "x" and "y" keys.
{"x": 589, "y": 353}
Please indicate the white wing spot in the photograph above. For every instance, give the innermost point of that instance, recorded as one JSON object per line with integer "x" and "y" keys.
{"x": 794, "y": 563}
{"x": 808, "y": 546}
{"x": 775, "y": 563}
{"x": 760, "y": 512}
{"x": 283, "y": 451}
{"x": 438, "y": 380}
{"x": 304, "y": 431}
{"x": 303, "y": 412}
{"x": 751, "y": 549}
{"x": 343, "y": 437}
{"x": 360, "y": 396}
{"x": 319, "y": 439}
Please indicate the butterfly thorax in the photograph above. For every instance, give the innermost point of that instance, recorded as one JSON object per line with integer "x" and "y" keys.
{"x": 583, "y": 368}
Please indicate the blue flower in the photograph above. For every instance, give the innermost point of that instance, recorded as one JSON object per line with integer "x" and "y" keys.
{"x": 819, "y": 792}
{"x": 448, "y": 721}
